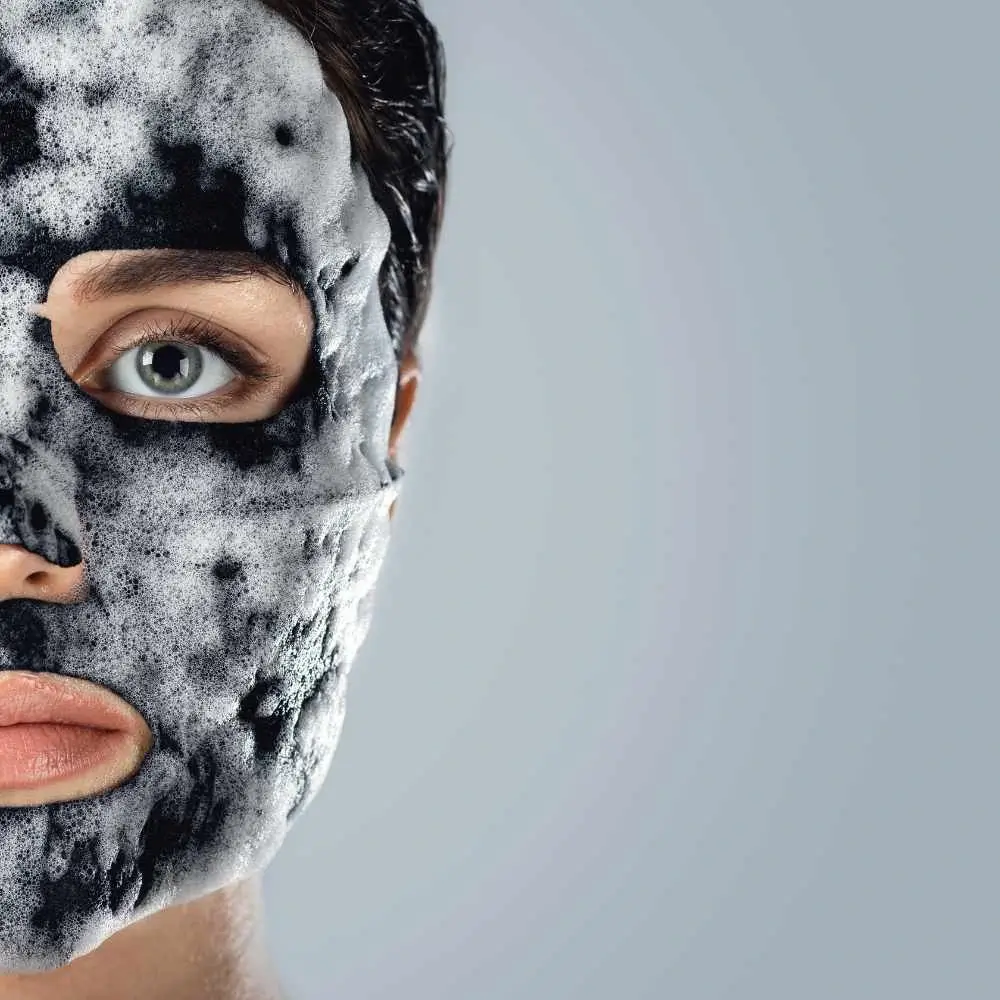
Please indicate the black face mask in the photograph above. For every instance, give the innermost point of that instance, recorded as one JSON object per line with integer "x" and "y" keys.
{"x": 230, "y": 565}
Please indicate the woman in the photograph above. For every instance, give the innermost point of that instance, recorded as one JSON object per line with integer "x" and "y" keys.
{"x": 215, "y": 247}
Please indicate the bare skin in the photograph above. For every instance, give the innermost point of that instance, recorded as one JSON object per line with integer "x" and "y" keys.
{"x": 211, "y": 948}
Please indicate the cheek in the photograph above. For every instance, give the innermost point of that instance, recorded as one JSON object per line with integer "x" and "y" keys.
{"x": 199, "y": 595}
{"x": 207, "y": 579}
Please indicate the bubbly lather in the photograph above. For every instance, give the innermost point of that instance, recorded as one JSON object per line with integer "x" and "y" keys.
{"x": 230, "y": 565}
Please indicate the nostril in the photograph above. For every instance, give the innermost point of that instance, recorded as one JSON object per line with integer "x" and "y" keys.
{"x": 39, "y": 577}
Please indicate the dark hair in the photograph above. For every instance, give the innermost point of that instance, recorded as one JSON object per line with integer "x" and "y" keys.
{"x": 384, "y": 61}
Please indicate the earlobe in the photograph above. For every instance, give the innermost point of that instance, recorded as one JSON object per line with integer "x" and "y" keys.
{"x": 406, "y": 392}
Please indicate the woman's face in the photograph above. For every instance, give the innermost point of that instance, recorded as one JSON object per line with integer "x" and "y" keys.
{"x": 201, "y": 439}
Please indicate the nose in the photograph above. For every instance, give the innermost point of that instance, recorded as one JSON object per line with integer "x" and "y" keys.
{"x": 24, "y": 574}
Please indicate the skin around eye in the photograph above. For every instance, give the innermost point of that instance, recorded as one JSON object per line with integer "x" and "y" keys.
{"x": 229, "y": 351}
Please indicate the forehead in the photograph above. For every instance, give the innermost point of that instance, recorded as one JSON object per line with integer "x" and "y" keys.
{"x": 130, "y": 123}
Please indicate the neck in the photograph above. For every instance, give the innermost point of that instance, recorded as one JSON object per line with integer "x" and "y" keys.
{"x": 209, "y": 949}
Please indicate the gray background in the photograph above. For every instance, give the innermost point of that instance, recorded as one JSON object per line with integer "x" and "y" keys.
{"x": 682, "y": 679}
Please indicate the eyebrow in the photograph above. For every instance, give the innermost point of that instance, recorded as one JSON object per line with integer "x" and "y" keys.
{"x": 155, "y": 268}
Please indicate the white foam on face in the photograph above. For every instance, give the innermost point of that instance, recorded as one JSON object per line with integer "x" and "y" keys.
{"x": 231, "y": 573}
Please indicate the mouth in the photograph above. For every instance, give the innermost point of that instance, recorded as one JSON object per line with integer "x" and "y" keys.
{"x": 64, "y": 738}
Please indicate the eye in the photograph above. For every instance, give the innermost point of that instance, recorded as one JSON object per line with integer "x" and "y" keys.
{"x": 182, "y": 360}
{"x": 175, "y": 369}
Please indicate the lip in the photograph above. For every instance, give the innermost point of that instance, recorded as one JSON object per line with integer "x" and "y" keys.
{"x": 64, "y": 738}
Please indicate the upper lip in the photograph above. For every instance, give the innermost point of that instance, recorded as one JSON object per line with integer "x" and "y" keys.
{"x": 31, "y": 696}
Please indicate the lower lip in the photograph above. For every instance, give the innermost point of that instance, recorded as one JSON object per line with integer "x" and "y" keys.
{"x": 33, "y": 754}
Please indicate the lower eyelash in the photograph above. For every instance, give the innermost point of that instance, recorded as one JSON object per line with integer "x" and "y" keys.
{"x": 210, "y": 406}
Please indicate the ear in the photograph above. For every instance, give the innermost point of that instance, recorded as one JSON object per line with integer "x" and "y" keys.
{"x": 406, "y": 393}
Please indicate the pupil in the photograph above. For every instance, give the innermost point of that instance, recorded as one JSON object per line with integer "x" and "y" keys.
{"x": 169, "y": 367}
{"x": 168, "y": 362}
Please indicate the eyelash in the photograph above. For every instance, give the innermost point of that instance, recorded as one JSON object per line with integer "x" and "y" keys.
{"x": 256, "y": 374}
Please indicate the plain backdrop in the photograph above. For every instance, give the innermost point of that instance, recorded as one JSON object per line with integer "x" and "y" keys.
{"x": 682, "y": 681}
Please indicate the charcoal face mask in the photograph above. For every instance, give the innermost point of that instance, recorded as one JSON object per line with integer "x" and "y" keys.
{"x": 230, "y": 565}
